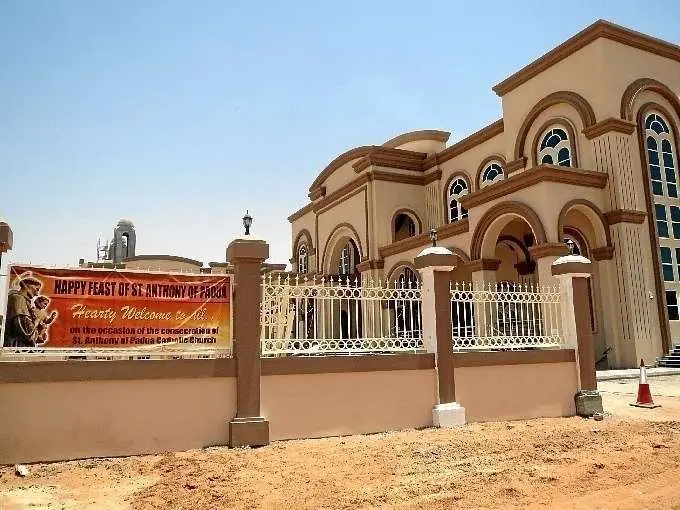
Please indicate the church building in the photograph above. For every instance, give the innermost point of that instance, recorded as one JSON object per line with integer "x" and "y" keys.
{"x": 583, "y": 160}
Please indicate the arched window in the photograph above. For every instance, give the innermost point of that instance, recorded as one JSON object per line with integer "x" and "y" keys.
{"x": 492, "y": 173}
{"x": 662, "y": 163}
{"x": 405, "y": 308}
{"x": 404, "y": 227}
{"x": 457, "y": 189}
{"x": 660, "y": 156}
{"x": 303, "y": 260}
{"x": 348, "y": 258}
{"x": 555, "y": 148}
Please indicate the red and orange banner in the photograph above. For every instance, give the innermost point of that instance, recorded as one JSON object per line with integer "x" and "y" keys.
{"x": 105, "y": 308}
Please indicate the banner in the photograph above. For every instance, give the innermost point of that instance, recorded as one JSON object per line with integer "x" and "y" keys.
{"x": 105, "y": 308}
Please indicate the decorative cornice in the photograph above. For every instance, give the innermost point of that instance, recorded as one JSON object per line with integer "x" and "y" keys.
{"x": 342, "y": 159}
{"x": 481, "y": 136}
{"x": 541, "y": 173}
{"x": 540, "y": 251}
{"x": 366, "y": 265}
{"x": 453, "y": 228}
{"x": 625, "y": 216}
{"x": 300, "y": 212}
{"x": 483, "y": 265}
{"x": 443, "y": 232}
{"x": 430, "y": 177}
{"x": 415, "y": 136}
{"x": 515, "y": 165}
{"x": 317, "y": 193}
{"x": 599, "y": 29}
{"x": 391, "y": 158}
{"x": 609, "y": 125}
{"x": 603, "y": 253}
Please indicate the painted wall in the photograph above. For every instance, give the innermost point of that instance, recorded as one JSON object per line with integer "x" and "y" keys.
{"x": 516, "y": 392}
{"x": 47, "y": 421}
{"x": 320, "y": 405}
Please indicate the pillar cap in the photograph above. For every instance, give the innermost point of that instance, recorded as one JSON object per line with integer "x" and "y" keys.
{"x": 248, "y": 247}
{"x": 6, "y": 236}
{"x": 572, "y": 265}
{"x": 435, "y": 256}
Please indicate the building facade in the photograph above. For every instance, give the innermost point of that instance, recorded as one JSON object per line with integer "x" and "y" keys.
{"x": 583, "y": 160}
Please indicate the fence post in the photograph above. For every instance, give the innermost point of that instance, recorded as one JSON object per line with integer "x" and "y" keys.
{"x": 573, "y": 272}
{"x": 247, "y": 254}
{"x": 435, "y": 265}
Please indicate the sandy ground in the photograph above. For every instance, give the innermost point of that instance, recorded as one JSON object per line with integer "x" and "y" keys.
{"x": 629, "y": 460}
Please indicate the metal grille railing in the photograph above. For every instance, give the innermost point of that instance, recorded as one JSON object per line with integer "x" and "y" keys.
{"x": 498, "y": 316}
{"x": 339, "y": 315}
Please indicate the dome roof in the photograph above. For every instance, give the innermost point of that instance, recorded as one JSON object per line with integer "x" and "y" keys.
{"x": 125, "y": 223}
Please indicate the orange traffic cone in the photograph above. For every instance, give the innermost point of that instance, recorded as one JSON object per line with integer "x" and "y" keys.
{"x": 644, "y": 397}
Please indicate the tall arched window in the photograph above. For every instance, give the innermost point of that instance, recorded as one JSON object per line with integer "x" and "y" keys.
{"x": 662, "y": 164}
{"x": 303, "y": 260}
{"x": 406, "y": 309}
{"x": 457, "y": 189}
{"x": 492, "y": 173}
{"x": 555, "y": 148}
{"x": 348, "y": 259}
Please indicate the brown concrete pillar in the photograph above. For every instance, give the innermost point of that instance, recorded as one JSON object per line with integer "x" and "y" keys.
{"x": 573, "y": 272}
{"x": 435, "y": 265}
{"x": 247, "y": 254}
{"x": 5, "y": 245}
{"x": 6, "y": 238}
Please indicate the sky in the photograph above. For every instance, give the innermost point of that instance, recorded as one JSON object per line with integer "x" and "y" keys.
{"x": 181, "y": 115}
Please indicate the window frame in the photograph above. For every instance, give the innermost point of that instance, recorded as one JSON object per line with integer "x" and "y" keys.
{"x": 301, "y": 258}
{"x": 542, "y": 150}
{"x": 461, "y": 212}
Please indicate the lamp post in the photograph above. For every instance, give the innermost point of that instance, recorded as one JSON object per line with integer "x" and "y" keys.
{"x": 247, "y": 222}
{"x": 433, "y": 236}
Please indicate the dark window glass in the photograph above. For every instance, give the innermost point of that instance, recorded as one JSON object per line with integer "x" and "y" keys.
{"x": 656, "y": 188}
{"x": 661, "y": 223}
{"x": 666, "y": 146}
{"x": 672, "y": 305}
{"x": 668, "y": 159}
{"x": 563, "y": 157}
{"x": 667, "y": 264}
{"x": 670, "y": 174}
{"x": 651, "y": 143}
{"x": 454, "y": 210}
{"x": 655, "y": 171}
{"x": 675, "y": 213}
{"x": 672, "y": 191}
{"x": 653, "y": 157}
{"x": 547, "y": 159}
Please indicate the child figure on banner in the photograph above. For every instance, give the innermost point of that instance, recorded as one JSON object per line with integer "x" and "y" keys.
{"x": 42, "y": 319}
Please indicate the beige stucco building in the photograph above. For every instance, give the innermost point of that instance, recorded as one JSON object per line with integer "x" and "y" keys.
{"x": 583, "y": 159}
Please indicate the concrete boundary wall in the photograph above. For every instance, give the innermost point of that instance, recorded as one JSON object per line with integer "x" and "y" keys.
{"x": 77, "y": 409}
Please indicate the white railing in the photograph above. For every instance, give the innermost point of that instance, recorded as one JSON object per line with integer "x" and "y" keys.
{"x": 339, "y": 316}
{"x": 499, "y": 316}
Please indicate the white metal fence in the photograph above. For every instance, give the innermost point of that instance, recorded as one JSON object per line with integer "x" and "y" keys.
{"x": 339, "y": 316}
{"x": 497, "y": 316}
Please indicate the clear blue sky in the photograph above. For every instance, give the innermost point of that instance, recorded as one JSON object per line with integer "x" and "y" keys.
{"x": 180, "y": 115}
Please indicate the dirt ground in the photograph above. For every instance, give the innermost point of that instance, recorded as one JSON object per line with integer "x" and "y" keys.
{"x": 629, "y": 460}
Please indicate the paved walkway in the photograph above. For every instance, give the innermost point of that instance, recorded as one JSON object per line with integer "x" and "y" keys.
{"x": 634, "y": 373}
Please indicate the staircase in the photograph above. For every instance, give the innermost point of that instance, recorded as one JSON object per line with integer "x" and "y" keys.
{"x": 672, "y": 359}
